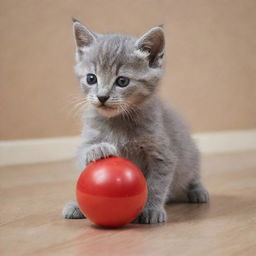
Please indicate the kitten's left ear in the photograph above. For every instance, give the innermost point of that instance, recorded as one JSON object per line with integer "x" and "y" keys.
{"x": 83, "y": 36}
{"x": 152, "y": 44}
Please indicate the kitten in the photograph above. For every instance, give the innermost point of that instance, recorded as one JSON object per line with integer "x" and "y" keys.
{"x": 119, "y": 76}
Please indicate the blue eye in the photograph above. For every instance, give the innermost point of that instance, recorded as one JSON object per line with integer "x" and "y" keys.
{"x": 91, "y": 79}
{"x": 122, "y": 81}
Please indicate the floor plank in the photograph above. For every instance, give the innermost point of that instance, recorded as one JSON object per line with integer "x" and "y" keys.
{"x": 32, "y": 197}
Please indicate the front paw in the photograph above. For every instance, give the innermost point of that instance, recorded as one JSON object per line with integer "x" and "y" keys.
{"x": 71, "y": 211}
{"x": 99, "y": 151}
{"x": 151, "y": 216}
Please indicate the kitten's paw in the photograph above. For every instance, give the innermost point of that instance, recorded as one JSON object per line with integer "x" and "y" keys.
{"x": 198, "y": 195}
{"x": 71, "y": 211}
{"x": 151, "y": 216}
{"x": 99, "y": 151}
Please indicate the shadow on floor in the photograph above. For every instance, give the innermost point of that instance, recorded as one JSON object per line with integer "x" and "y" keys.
{"x": 219, "y": 206}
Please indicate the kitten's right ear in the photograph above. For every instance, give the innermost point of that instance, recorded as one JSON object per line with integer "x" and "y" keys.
{"x": 83, "y": 36}
{"x": 152, "y": 45}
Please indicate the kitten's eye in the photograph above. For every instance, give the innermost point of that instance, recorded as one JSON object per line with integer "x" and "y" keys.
{"x": 91, "y": 79}
{"x": 122, "y": 81}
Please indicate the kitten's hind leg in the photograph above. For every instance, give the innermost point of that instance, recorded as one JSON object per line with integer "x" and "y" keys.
{"x": 197, "y": 193}
{"x": 71, "y": 211}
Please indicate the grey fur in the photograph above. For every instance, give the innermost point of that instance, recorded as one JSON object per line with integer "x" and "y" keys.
{"x": 71, "y": 211}
{"x": 134, "y": 123}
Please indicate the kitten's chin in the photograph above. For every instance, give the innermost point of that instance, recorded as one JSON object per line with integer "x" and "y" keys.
{"x": 108, "y": 112}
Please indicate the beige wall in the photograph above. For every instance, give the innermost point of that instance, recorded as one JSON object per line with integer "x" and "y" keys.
{"x": 211, "y": 65}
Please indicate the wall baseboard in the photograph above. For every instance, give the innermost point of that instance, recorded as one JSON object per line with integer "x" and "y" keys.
{"x": 37, "y": 150}
{"x": 56, "y": 149}
{"x": 226, "y": 141}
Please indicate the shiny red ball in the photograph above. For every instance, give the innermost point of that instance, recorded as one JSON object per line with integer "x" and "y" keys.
{"x": 111, "y": 192}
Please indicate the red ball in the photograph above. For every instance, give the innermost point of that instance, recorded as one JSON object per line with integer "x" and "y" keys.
{"x": 111, "y": 192}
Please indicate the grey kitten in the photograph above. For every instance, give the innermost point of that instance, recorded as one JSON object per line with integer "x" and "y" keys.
{"x": 119, "y": 76}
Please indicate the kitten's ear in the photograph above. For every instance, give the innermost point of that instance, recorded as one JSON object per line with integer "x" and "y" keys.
{"x": 83, "y": 36}
{"x": 152, "y": 44}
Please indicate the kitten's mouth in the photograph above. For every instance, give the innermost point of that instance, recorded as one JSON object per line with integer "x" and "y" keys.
{"x": 105, "y": 107}
{"x": 107, "y": 111}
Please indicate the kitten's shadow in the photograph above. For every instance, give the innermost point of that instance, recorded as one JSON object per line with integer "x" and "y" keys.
{"x": 219, "y": 206}
{"x": 178, "y": 213}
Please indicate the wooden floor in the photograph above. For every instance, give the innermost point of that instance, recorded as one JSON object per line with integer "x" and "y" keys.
{"x": 32, "y": 197}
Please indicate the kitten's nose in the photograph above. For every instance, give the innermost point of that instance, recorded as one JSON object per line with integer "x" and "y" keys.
{"x": 103, "y": 99}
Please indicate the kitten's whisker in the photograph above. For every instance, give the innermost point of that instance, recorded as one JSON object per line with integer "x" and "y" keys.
{"x": 124, "y": 112}
{"x": 79, "y": 107}
{"x": 74, "y": 99}
{"x": 128, "y": 112}
{"x": 133, "y": 109}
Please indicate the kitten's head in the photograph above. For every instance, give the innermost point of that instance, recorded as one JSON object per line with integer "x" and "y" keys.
{"x": 117, "y": 72}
